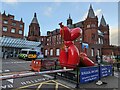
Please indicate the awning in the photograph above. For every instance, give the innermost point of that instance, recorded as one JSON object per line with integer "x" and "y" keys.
{"x": 17, "y": 43}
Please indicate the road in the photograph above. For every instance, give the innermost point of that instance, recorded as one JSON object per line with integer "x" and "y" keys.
{"x": 12, "y": 66}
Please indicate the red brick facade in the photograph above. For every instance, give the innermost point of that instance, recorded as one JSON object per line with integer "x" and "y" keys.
{"x": 11, "y": 27}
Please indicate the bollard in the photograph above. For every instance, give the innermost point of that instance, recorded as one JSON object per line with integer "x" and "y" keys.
{"x": 55, "y": 75}
{"x": 113, "y": 70}
{"x": 77, "y": 85}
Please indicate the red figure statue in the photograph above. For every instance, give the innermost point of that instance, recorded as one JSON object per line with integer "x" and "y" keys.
{"x": 69, "y": 54}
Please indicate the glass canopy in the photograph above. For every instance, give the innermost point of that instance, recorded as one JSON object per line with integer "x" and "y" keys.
{"x": 17, "y": 43}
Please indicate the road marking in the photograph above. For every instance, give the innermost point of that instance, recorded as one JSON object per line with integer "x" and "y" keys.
{"x": 16, "y": 62}
{"x": 10, "y": 80}
{"x": 6, "y": 70}
{"x": 48, "y": 76}
{"x": 62, "y": 85}
{"x": 10, "y": 86}
{"x": 46, "y": 82}
{"x": 0, "y": 71}
{"x": 56, "y": 87}
{"x": 32, "y": 81}
{"x": 116, "y": 75}
{"x": 3, "y": 86}
{"x": 39, "y": 86}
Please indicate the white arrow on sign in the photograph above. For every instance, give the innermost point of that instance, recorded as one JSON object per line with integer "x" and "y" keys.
{"x": 10, "y": 80}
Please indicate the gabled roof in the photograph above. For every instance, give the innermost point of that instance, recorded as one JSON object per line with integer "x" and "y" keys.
{"x": 91, "y": 13}
{"x": 34, "y": 20}
{"x": 103, "y": 22}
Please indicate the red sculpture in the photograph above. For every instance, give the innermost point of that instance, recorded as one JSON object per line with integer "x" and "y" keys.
{"x": 69, "y": 54}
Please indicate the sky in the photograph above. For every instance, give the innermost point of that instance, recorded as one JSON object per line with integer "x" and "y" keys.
{"x": 50, "y": 14}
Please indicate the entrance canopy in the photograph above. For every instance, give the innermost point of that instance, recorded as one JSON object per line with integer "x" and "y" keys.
{"x": 17, "y": 43}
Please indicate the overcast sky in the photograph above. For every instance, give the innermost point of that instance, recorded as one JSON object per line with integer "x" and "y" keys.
{"x": 50, "y": 14}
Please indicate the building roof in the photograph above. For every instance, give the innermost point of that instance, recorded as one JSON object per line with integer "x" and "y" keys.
{"x": 17, "y": 43}
{"x": 34, "y": 20}
{"x": 78, "y": 24}
{"x": 91, "y": 13}
{"x": 103, "y": 22}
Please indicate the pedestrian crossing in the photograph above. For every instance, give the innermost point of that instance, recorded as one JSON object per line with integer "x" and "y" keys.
{"x": 23, "y": 82}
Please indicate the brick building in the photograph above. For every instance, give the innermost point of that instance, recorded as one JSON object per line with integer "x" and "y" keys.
{"x": 94, "y": 35}
{"x": 34, "y": 29}
{"x": 12, "y": 36}
{"x": 11, "y": 27}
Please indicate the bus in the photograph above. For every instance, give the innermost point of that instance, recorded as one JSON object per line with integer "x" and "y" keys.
{"x": 28, "y": 54}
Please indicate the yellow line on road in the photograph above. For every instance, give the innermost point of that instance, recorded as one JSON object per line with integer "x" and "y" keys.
{"x": 45, "y": 82}
{"x": 56, "y": 87}
{"x": 39, "y": 86}
{"x": 31, "y": 85}
{"x": 62, "y": 85}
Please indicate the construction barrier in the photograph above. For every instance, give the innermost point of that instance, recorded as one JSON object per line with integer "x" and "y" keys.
{"x": 36, "y": 65}
{"x": 18, "y": 75}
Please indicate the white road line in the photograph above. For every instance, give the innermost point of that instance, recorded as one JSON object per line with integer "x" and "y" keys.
{"x": 0, "y": 71}
{"x": 3, "y": 86}
{"x": 116, "y": 75}
{"x": 6, "y": 70}
{"x": 10, "y": 86}
{"x": 31, "y": 81}
{"x": 48, "y": 76}
{"x": 35, "y": 80}
{"x": 27, "y": 82}
{"x": 22, "y": 83}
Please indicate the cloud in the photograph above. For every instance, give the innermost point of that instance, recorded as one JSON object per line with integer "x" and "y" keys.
{"x": 114, "y": 35}
{"x": 9, "y": 1}
{"x": 48, "y": 11}
{"x": 97, "y": 12}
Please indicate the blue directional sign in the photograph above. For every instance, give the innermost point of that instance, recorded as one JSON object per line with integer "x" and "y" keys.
{"x": 88, "y": 74}
{"x": 105, "y": 71}
{"x": 84, "y": 45}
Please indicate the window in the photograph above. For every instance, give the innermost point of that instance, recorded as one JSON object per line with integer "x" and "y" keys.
{"x": 20, "y": 31}
{"x": 88, "y": 26}
{"x": 14, "y": 24}
{"x": 105, "y": 32}
{"x": 11, "y": 18}
{"x": 5, "y": 29}
{"x": 42, "y": 39}
{"x": 46, "y": 52}
{"x": 5, "y": 22}
{"x": 57, "y": 52}
{"x": 21, "y": 25}
{"x": 12, "y": 30}
{"x": 51, "y": 52}
{"x": 47, "y": 39}
{"x": 92, "y": 51}
{"x": 92, "y": 25}
{"x": 99, "y": 40}
{"x": 93, "y": 36}
{"x": 98, "y": 52}
{"x": 80, "y": 39}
